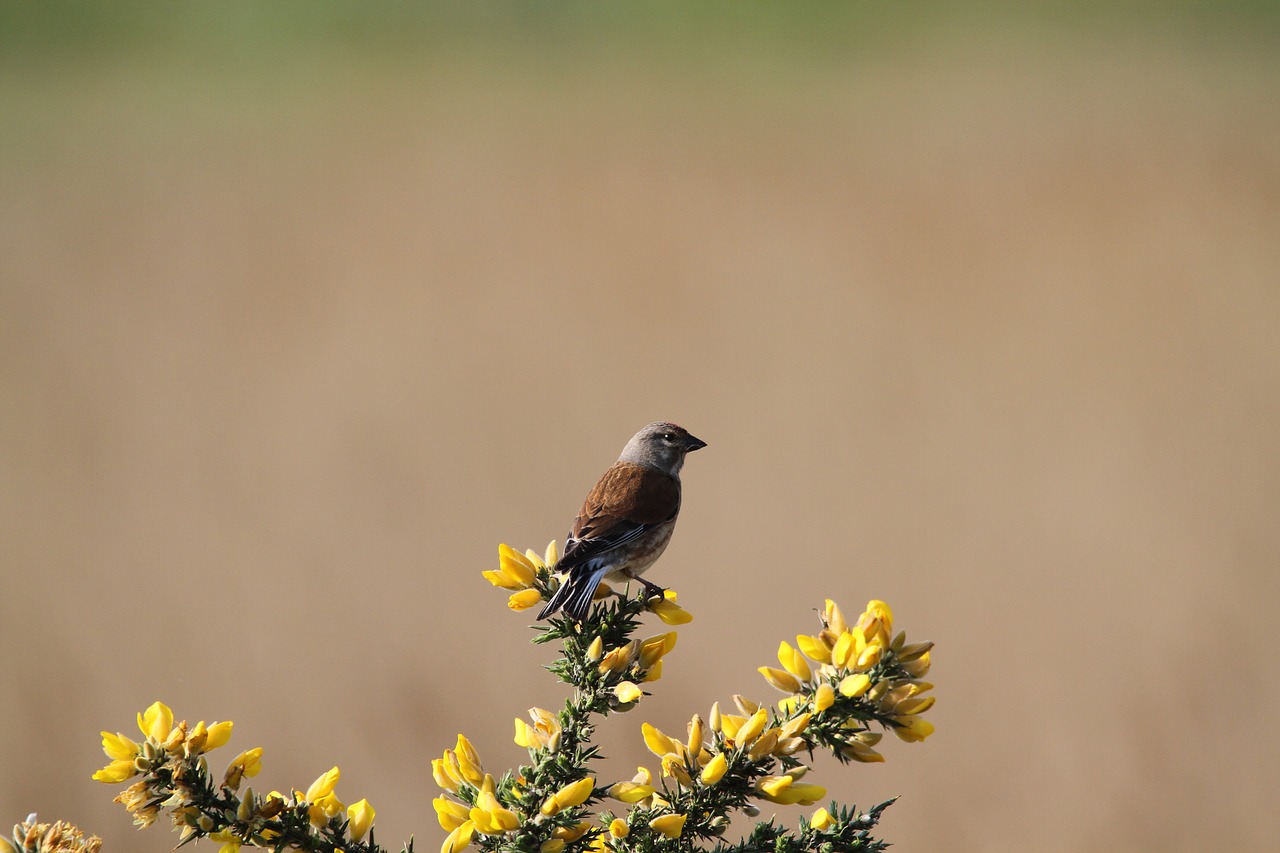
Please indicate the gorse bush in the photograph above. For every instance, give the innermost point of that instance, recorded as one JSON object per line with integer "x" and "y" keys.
{"x": 844, "y": 687}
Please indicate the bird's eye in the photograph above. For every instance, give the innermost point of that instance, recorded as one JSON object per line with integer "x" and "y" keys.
{"x": 669, "y": 436}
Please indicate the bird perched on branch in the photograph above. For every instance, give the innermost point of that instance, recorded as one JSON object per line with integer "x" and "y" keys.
{"x": 626, "y": 521}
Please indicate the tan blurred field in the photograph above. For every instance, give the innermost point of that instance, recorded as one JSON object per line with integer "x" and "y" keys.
{"x": 984, "y": 325}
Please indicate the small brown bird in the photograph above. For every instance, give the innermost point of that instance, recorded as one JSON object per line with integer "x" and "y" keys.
{"x": 626, "y": 522}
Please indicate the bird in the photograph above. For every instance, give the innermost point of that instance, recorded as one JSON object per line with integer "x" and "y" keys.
{"x": 627, "y": 519}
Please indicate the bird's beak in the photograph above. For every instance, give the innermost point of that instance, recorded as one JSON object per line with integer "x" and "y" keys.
{"x": 691, "y": 444}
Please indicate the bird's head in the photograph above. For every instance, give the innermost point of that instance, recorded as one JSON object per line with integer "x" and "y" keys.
{"x": 662, "y": 446}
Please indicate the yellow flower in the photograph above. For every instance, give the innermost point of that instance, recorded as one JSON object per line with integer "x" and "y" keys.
{"x": 670, "y": 612}
{"x": 488, "y": 815}
{"x": 524, "y": 599}
{"x": 515, "y": 570}
{"x": 323, "y": 786}
{"x": 917, "y": 667}
{"x": 654, "y": 673}
{"x": 618, "y": 828}
{"x": 673, "y": 766}
{"x": 570, "y": 834}
{"x": 653, "y": 649}
{"x": 450, "y": 814}
{"x": 445, "y": 772}
{"x": 793, "y": 662}
{"x": 573, "y": 794}
{"x": 658, "y": 743}
{"x": 468, "y": 761}
{"x": 784, "y": 681}
{"x": 696, "y": 734}
{"x": 782, "y": 790}
{"x": 821, "y": 819}
{"x": 751, "y": 729}
{"x": 247, "y": 763}
{"x": 913, "y": 705}
{"x": 156, "y": 722}
{"x": 824, "y": 697}
{"x": 123, "y": 752}
{"x": 854, "y": 685}
{"x": 912, "y": 729}
{"x": 595, "y": 651}
{"x": 459, "y": 839}
{"x": 117, "y": 771}
{"x": 814, "y": 648}
{"x": 795, "y": 726}
{"x": 870, "y": 656}
{"x": 627, "y": 692}
{"x": 631, "y": 792}
{"x": 619, "y": 658}
{"x": 845, "y": 649}
{"x": 857, "y": 751}
{"x": 360, "y": 816}
{"x": 833, "y": 618}
{"x": 670, "y": 825}
{"x": 219, "y": 734}
{"x": 876, "y": 623}
{"x": 715, "y": 769}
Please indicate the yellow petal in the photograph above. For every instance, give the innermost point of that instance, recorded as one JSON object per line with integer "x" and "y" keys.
{"x": 752, "y": 728}
{"x": 361, "y": 817}
{"x": 793, "y": 662}
{"x": 553, "y": 553}
{"x": 658, "y": 743}
{"x": 854, "y": 685}
{"x": 844, "y": 650}
{"x": 814, "y": 648}
{"x": 323, "y": 786}
{"x": 795, "y": 726}
{"x": 524, "y": 599}
{"x": 833, "y": 618}
{"x": 450, "y": 814}
{"x": 671, "y": 613}
{"x": 914, "y": 705}
{"x": 500, "y": 580}
{"x": 824, "y": 697}
{"x": 631, "y": 792}
{"x": 696, "y": 726}
{"x": 870, "y": 656}
{"x": 515, "y": 565}
{"x": 459, "y": 839}
{"x": 618, "y": 828}
{"x": 764, "y": 745}
{"x": 784, "y": 681}
{"x": 156, "y": 721}
{"x": 821, "y": 819}
{"x": 912, "y": 729}
{"x": 119, "y": 747}
{"x": 219, "y": 734}
{"x": 715, "y": 769}
{"x": 670, "y": 825}
{"x": 627, "y": 692}
{"x": 575, "y": 793}
{"x": 116, "y": 771}
{"x": 773, "y": 785}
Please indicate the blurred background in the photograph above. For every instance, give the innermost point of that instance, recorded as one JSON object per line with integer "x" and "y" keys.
{"x": 305, "y": 307}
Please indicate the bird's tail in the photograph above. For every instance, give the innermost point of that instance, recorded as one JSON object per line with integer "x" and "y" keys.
{"x": 575, "y": 594}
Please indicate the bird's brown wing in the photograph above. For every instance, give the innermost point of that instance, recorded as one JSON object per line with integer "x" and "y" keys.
{"x": 629, "y": 500}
